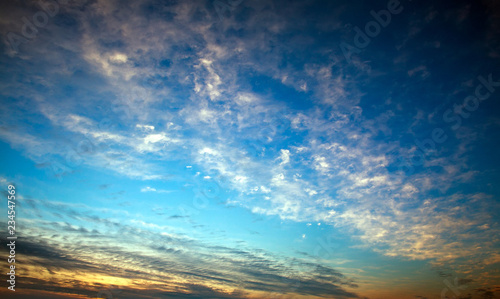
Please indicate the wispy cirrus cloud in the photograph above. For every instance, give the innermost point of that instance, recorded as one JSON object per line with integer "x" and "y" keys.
{"x": 156, "y": 254}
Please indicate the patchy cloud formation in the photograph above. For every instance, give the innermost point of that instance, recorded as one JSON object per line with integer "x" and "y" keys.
{"x": 230, "y": 149}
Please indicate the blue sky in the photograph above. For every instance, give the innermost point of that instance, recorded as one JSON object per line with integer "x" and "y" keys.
{"x": 236, "y": 149}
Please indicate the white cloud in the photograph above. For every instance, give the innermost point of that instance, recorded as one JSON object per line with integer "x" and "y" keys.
{"x": 118, "y": 58}
{"x": 150, "y": 189}
{"x": 284, "y": 156}
{"x": 145, "y": 127}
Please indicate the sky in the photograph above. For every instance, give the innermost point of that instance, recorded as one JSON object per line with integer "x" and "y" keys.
{"x": 251, "y": 149}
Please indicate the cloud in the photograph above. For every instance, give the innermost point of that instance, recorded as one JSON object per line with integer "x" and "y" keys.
{"x": 148, "y": 189}
{"x": 285, "y": 157}
{"x": 78, "y": 262}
